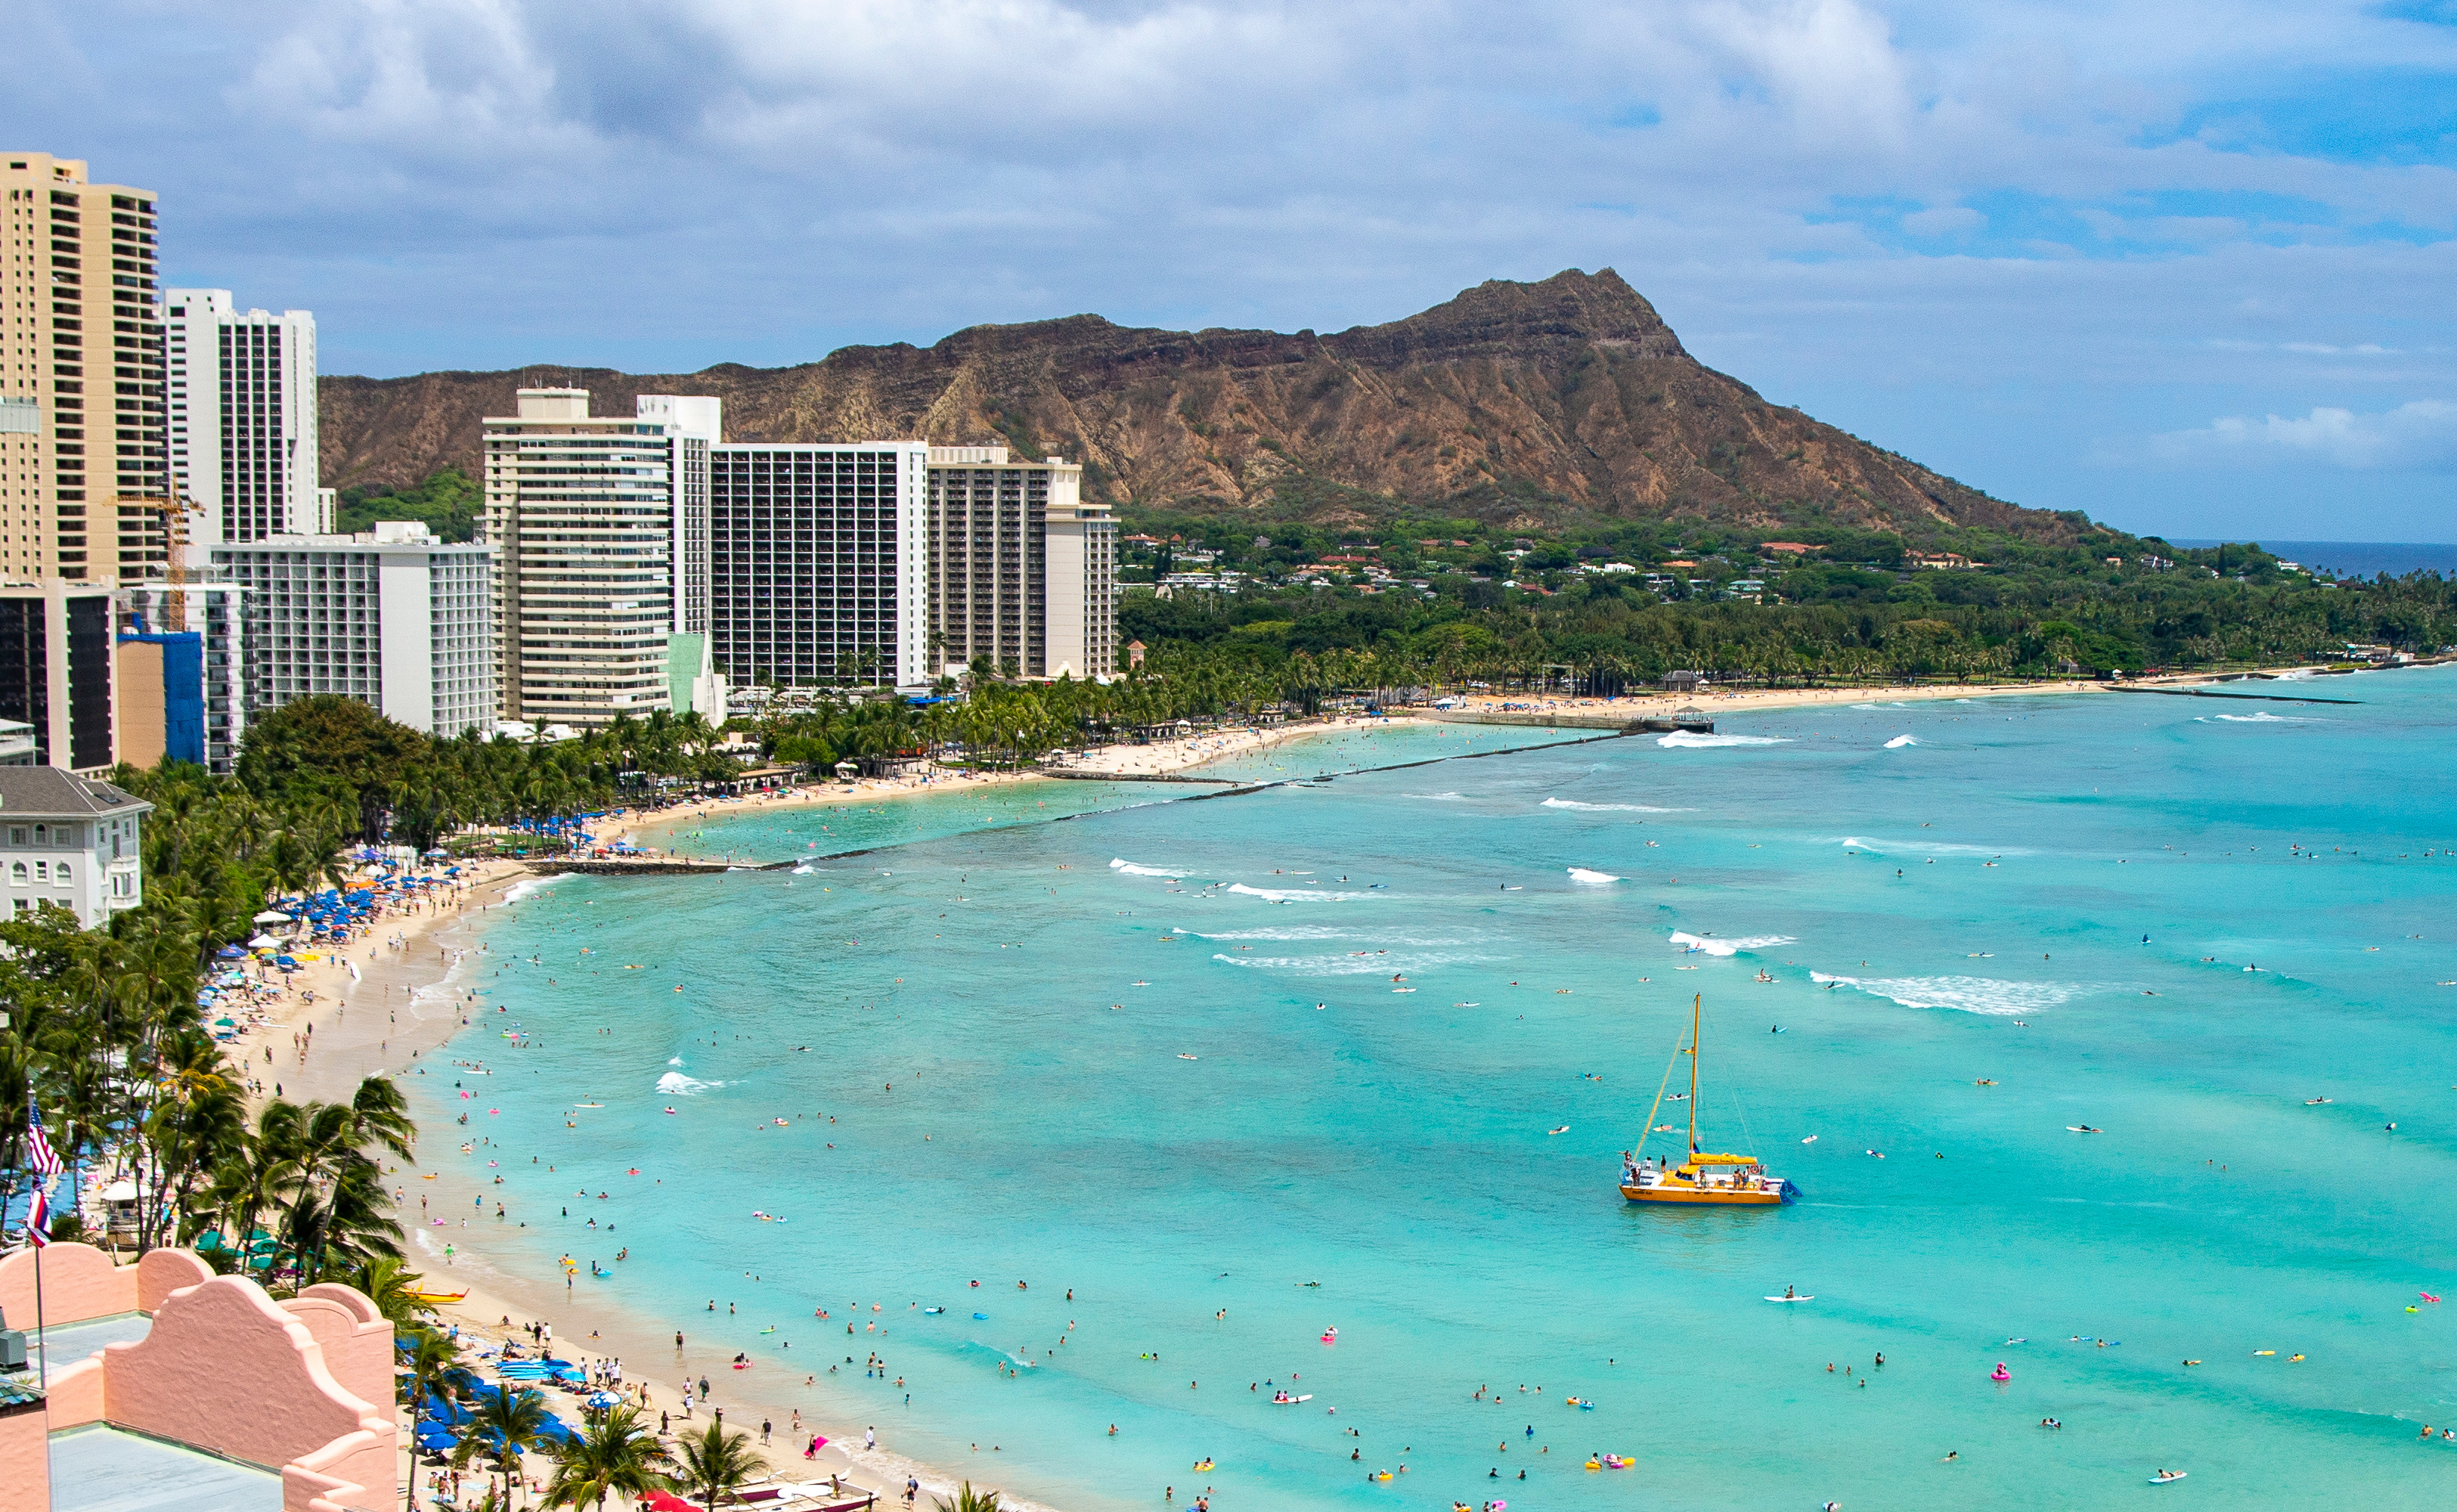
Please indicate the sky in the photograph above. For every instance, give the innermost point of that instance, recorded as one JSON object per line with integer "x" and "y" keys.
{"x": 2187, "y": 266}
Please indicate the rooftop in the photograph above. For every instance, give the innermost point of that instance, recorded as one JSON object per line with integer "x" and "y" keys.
{"x": 51, "y": 792}
{"x": 99, "y": 1469}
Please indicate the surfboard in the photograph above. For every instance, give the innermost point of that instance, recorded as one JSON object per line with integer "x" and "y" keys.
{"x": 2169, "y": 1480}
{"x": 1791, "y": 1300}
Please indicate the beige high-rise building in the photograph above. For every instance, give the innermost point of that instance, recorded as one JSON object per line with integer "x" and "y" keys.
{"x": 600, "y": 530}
{"x": 1022, "y": 568}
{"x": 81, "y": 491}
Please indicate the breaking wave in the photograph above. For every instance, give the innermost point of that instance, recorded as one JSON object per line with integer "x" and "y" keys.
{"x": 2261, "y": 717}
{"x": 1694, "y": 740}
{"x": 1606, "y": 808}
{"x": 1901, "y": 741}
{"x": 1861, "y": 842}
{"x": 1717, "y": 945}
{"x": 1347, "y": 965}
{"x": 1579, "y": 874}
{"x": 1132, "y": 870}
{"x": 528, "y": 886}
{"x": 675, "y": 1083}
{"x": 1285, "y": 895}
{"x": 1962, "y": 994}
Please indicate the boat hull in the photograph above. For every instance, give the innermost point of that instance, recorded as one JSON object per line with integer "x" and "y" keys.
{"x": 1705, "y": 1197}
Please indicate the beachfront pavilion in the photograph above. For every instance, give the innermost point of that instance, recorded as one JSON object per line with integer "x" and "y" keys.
{"x": 170, "y": 1387}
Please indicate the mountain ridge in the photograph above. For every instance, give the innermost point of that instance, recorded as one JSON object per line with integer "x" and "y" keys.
{"x": 1529, "y": 405}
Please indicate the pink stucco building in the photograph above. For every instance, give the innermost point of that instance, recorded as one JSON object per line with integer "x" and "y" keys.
{"x": 210, "y": 1365}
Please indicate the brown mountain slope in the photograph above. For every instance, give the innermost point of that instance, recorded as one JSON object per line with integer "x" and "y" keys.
{"x": 1526, "y": 404}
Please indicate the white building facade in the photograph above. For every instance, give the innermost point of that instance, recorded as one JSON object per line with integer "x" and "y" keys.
{"x": 819, "y": 564}
{"x": 1023, "y": 569}
{"x": 392, "y": 617}
{"x": 243, "y": 432}
{"x": 599, "y": 526}
{"x": 69, "y": 842}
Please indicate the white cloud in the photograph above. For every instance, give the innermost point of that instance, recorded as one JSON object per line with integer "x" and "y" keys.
{"x": 2136, "y": 241}
{"x": 2420, "y": 435}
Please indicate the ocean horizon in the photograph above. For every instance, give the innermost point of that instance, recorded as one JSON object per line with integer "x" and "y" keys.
{"x": 1215, "y": 1078}
{"x": 2357, "y": 558}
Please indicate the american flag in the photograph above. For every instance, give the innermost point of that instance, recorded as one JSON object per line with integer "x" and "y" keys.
{"x": 38, "y": 1220}
{"x": 39, "y": 1153}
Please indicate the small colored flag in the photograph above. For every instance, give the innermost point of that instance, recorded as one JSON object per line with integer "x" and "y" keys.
{"x": 39, "y": 1153}
{"x": 38, "y": 1220}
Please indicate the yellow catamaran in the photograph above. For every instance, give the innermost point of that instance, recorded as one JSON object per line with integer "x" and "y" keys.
{"x": 1730, "y": 1181}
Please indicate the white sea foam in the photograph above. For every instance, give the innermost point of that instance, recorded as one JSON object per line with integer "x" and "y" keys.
{"x": 1348, "y": 966}
{"x": 2262, "y": 716}
{"x": 1723, "y": 945}
{"x": 676, "y": 1061}
{"x": 1606, "y": 808}
{"x": 1293, "y": 932}
{"x": 1692, "y": 738}
{"x": 1963, "y": 994}
{"x": 1895, "y": 704}
{"x": 675, "y": 1083}
{"x": 528, "y": 886}
{"x": 1440, "y": 798}
{"x": 1579, "y": 874}
{"x": 1132, "y": 870}
{"x": 1901, "y": 741}
{"x": 805, "y": 869}
{"x": 1284, "y": 895}
{"x": 1861, "y": 842}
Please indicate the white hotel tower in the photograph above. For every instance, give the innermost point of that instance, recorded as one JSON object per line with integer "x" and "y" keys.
{"x": 242, "y": 420}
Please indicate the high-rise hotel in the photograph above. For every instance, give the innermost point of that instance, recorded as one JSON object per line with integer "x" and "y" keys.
{"x": 243, "y": 432}
{"x": 597, "y": 521}
{"x": 1022, "y": 568}
{"x": 644, "y": 562}
{"x": 84, "y": 478}
{"x": 816, "y": 563}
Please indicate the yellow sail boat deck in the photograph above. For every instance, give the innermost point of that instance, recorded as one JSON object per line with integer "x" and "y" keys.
{"x": 1700, "y": 1179}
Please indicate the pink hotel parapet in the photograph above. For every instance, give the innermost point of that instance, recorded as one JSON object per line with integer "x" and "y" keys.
{"x": 302, "y": 1386}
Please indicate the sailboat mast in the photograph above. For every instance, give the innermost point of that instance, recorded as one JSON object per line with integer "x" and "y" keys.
{"x": 1696, "y": 1016}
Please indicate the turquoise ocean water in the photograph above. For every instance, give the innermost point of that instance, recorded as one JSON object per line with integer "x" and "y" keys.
{"x": 2060, "y": 896}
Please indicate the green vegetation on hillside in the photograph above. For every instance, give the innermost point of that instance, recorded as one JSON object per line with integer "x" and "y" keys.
{"x": 447, "y": 503}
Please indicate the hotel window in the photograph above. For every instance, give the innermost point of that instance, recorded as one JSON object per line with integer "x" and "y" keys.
{"x": 60, "y": 873}
{"x": 17, "y": 834}
{"x": 17, "y": 871}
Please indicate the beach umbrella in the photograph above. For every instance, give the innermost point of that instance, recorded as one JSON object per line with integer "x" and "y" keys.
{"x": 226, "y": 1023}
{"x": 604, "y": 1399}
{"x": 436, "y": 1437}
{"x": 229, "y": 953}
{"x": 262, "y": 942}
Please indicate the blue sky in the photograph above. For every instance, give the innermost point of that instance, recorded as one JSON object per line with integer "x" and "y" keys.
{"x": 2187, "y": 266}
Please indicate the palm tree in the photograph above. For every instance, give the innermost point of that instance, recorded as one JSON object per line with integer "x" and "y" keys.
{"x": 717, "y": 1462}
{"x": 392, "y": 1286}
{"x": 616, "y": 1452}
{"x": 429, "y": 1358}
{"x": 503, "y": 1425}
{"x": 968, "y": 1499}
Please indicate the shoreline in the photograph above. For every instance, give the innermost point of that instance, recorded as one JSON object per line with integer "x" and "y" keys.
{"x": 428, "y": 991}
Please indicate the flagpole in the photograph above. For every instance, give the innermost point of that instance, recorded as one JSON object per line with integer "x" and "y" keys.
{"x": 43, "y": 1372}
